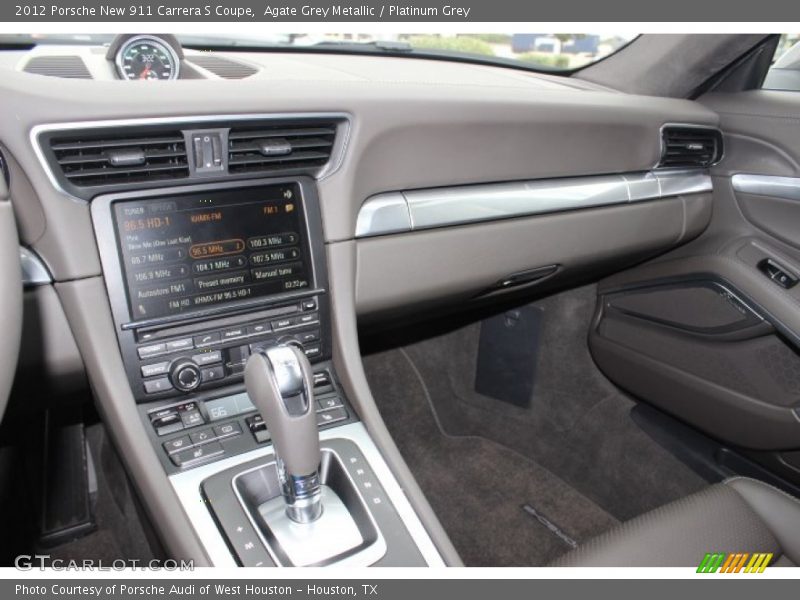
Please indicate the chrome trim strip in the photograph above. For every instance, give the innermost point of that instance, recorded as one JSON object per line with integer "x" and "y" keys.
{"x": 337, "y": 152}
{"x": 787, "y": 188}
{"x": 461, "y": 205}
{"x": 384, "y": 213}
{"x": 34, "y": 271}
{"x": 679, "y": 183}
{"x": 187, "y": 487}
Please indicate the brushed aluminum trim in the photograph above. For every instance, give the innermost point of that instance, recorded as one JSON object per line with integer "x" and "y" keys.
{"x": 364, "y": 558}
{"x": 34, "y": 271}
{"x": 186, "y": 486}
{"x": 774, "y": 186}
{"x": 444, "y": 207}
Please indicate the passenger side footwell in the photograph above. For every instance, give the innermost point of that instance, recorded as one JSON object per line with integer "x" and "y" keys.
{"x": 477, "y": 487}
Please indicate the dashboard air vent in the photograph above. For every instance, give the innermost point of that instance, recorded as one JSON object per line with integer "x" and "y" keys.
{"x": 223, "y": 67}
{"x": 109, "y": 160}
{"x": 70, "y": 67}
{"x": 279, "y": 147}
{"x": 690, "y": 147}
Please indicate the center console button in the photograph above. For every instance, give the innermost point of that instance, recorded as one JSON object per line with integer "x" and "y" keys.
{"x": 167, "y": 424}
{"x": 151, "y": 350}
{"x": 258, "y": 428}
{"x": 329, "y": 402}
{"x": 307, "y": 319}
{"x": 192, "y": 418}
{"x": 331, "y": 416}
{"x": 191, "y": 456}
{"x": 154, "y": 369}
{"x": 212, "y": 373}
{"x": 207, "y": 358}
{"x": 178, "y": 345}
{"x": 307, "y": 336}
{"x": 206, "y": 338}
{"x": 177, "y": 444}
{"x": 313, "y": 351}
{"x": 235, "y": 332}
{"x": 258, "y": 329}
{"x": 201, "y": 437}
{"x": 227, "y": 429}
{"x": 154, "y": 386}
{"x": 279, "y": 324}
{"x": 309, "y": 304}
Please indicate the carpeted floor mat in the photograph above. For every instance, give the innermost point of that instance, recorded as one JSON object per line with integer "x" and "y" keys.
{"x": 478, "y": 488}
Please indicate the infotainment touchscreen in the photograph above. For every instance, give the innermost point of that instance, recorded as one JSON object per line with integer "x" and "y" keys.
{"x": 190, "y": 252}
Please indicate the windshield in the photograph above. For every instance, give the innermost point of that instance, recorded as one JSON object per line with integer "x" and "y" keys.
{"x": 540, "y": 51}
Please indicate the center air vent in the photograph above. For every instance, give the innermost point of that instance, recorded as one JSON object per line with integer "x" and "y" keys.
{"x": 269, "y": 148}
{"x": 690, "y": 147}
{"x": 110, "y": 160}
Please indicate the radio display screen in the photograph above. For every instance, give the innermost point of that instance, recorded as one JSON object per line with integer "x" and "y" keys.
{"x": 189, "y": 252}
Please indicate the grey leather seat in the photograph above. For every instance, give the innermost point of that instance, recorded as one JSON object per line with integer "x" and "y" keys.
{"x": 738, "y": 515}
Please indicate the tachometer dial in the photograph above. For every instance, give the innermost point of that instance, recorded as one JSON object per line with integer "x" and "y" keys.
{"x": 146, "y": 57}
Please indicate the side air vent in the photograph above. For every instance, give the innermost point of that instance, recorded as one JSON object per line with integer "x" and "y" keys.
{"x": 70, "y": 67}
{"x": 110, "y": 160}
{"x": 223, "y": 67}
{"x": 269, "y": 148}
{"x": 690, "y": 147}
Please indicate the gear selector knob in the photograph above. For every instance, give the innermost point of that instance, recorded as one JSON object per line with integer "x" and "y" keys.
{"x": 280, "y": 384}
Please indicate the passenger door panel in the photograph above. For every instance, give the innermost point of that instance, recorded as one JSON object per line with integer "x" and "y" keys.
{"x": 704, "y": 332}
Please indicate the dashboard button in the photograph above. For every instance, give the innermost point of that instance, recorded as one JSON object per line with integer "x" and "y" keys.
{"x": 307, "y": 319}
{"x": 329, "y": 402}
{"x": 313, "y": 351}
{"x": 177, "y": 444}
{"x": 208, "y": 358}
{"x": 331, "y": 416}
{"x": 154, "y": 386}
{"x": 160, "y": 414}
{"x": 191, "y": 456}
{"x": 279, "y": 324}
{"x": 201, "y": 437}
{"x": 307, "y": 337}
{"x": 154, "y": 369}
{"x": 192, "y": 418}
{"x": 227, "y": 430}
{"x": 168, "y": 424}
{"x": 178, "y": 345}
{"x": 206, "y": 338}
{"x": 235, "y": 332}
{"x": 309, "y": 304}
{"x": 212, "y": 373}
{"x": 258, "y": 329}
{"x": 151, "y": 350}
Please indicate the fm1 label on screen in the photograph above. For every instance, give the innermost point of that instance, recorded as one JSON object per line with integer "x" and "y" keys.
{"x": 189, "y": 252}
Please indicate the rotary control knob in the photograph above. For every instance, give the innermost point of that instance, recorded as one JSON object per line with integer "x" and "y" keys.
{"x": 185, "y": 375}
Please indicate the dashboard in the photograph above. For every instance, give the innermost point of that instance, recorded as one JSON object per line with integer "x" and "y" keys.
{"x": 285, "y": 198}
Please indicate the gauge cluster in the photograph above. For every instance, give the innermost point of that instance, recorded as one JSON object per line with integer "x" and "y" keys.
{"x": 145, "y": 57}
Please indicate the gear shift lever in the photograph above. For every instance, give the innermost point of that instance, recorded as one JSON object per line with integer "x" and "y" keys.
{"x": 279, "y": 381}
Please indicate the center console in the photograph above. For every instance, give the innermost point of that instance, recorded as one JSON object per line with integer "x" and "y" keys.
{"x": 202, "y": 279}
